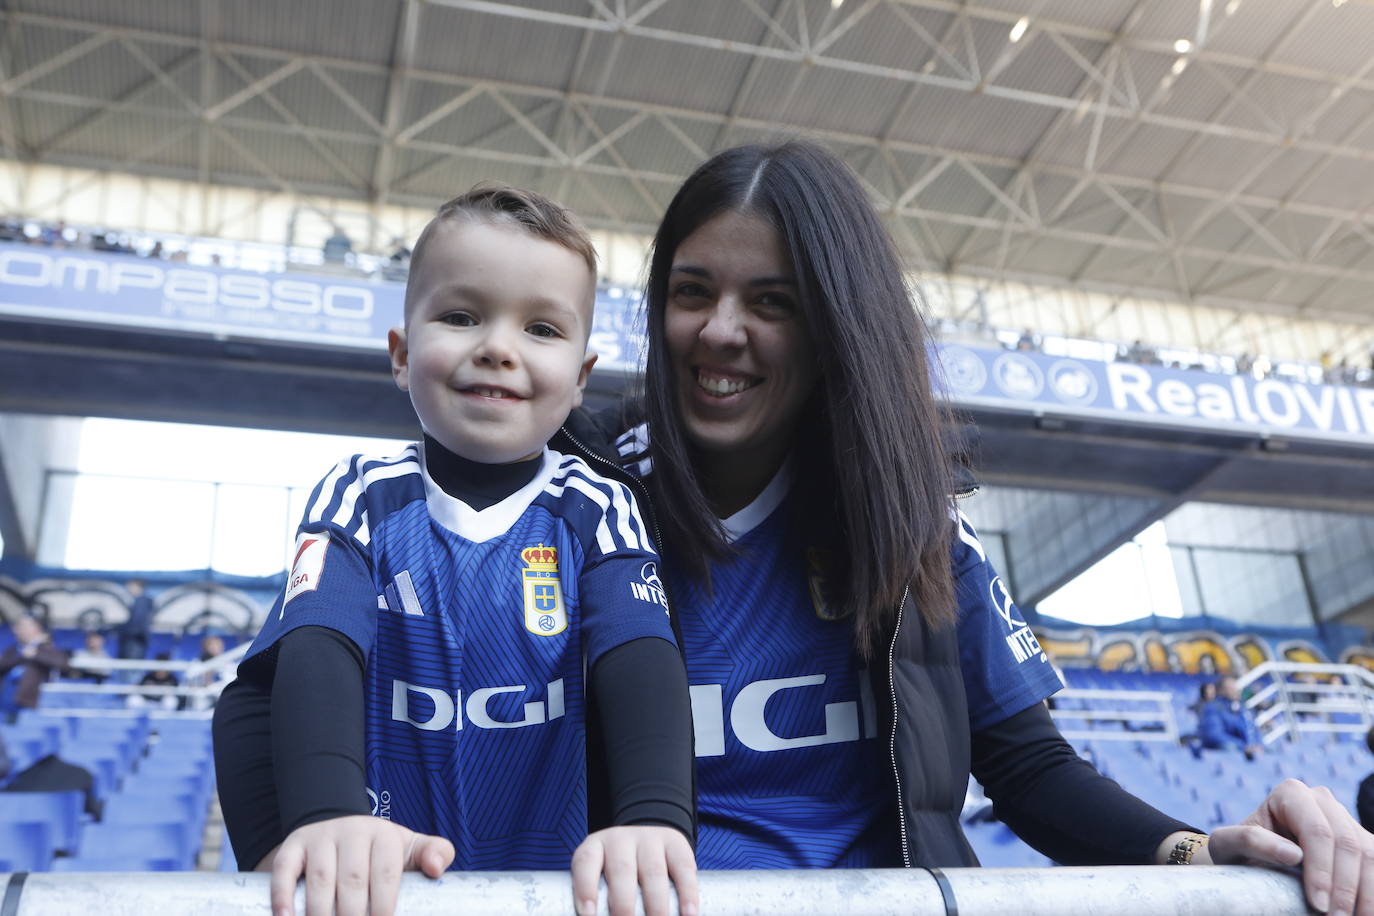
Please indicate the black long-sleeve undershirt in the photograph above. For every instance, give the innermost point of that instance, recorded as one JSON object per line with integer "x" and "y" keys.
{"x": 1057, "y": 802}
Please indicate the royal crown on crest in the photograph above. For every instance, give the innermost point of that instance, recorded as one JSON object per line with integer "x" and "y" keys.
{"x": 541, "y": 557}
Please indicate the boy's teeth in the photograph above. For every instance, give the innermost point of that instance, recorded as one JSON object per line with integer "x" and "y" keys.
{"x": 723, "y": 385}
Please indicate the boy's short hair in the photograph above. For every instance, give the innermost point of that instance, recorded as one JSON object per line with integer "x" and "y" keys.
{"x": 532, "y": 211}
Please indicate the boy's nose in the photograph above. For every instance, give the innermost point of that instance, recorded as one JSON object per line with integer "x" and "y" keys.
{"x": 496, "y": 349}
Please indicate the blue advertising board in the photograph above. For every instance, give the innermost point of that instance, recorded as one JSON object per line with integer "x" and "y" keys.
{"x": 1021, "y": 381}
{"x": 348, "y": 311}
{"x": 322, "y": 309}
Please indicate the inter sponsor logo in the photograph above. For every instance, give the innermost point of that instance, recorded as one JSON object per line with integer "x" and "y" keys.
{"x": 544, "y": 611}
{"x": 381, "y": 803}
{"x": 1020, "y": 640}
{"x": 650, "y": 586}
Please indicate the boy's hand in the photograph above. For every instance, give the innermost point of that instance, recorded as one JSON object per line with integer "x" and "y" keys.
{"x": 352, "y": 865}
{"x": 644, "y": 856}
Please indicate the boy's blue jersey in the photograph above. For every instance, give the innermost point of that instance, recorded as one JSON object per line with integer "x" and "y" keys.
{"x": 793, "y": 764}
{"x": 477, "y": 627}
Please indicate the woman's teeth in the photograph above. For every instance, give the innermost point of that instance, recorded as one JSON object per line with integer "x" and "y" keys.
{"x": 723, "y": 386}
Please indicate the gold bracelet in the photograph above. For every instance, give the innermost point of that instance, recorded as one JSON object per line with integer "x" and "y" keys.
{"x": 1182, "y": 853}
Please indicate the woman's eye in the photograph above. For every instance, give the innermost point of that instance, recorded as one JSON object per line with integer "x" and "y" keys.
{"x": 543, "y": 330}
{"x": 459, "y": 319}
{"x": 689, "y": 290}
{"x": 777, "y": 302}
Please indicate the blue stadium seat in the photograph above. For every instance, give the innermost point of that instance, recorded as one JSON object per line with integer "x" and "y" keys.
{"x": 25, "y": 846}
{"x": 153, "y": 844}
{"x": 136, "y": 807}
{"x": 997, "y": 847}
{"x": 61, "y": 811}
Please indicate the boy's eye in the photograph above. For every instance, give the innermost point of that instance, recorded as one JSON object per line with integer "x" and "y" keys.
{"x": 459, "y": 319}
{"x": 543, "y": 329}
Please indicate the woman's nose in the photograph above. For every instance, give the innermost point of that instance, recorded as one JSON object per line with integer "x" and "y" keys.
{"x": 725, "y": 325}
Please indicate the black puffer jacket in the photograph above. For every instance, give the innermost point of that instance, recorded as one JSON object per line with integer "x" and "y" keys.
{"x": 929, "y": 734}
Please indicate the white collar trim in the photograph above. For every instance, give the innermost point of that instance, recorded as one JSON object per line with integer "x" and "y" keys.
{"x": 495, "y": 520}
{"x": 754, "y": 514}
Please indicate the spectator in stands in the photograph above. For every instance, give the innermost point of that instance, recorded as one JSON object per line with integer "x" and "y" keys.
{"x": 400, "y": 254}
{"x": 1225, "y": 722}
{"x": 159, "y": 678}
{"x": 1364, "y": 800}
{"x": 337, "y": 247}
{"x": 26, "y": 665}
{"x": 211, "y": 647}
{"x": 133, "y": 633}
{"x": 89, "y": 662}
{"x": 1027, "y": 343}
{"x": 155, "y": 253}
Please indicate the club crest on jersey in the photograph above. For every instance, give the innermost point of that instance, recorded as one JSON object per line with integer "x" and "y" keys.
{"x": 544, "y": 612}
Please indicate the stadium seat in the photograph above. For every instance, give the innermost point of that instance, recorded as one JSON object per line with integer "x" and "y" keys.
{"x": 25, "y": 846}
{"x": 61, "y": 811}
{"x": 155, "y": 845}
{"x": 134, "y": 807}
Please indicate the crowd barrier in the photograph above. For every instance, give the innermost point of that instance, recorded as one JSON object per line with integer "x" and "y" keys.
{"x": 1290, "y": 699}
{"x": 1135, "y": 891}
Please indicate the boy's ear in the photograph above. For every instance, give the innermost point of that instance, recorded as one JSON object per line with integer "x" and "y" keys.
{"x": 400, "y": 357}
{"x": 582, "y": 375}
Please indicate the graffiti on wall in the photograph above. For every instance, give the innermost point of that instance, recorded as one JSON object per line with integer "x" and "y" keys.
{"x": 1198, "y": 651}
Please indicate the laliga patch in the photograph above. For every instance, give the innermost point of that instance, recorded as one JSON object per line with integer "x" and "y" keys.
{"x": 544, "y": 612}
{"x": 308, "y": 565}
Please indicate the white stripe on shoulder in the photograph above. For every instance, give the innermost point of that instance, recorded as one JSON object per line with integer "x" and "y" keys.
{"x": 612, "y": 497}
{"x": 315, "y": 511}
{"x": 968, "y": 535}
{"x": 634, "y": 439}
{"x": 352, "y": 507}
{"x": 632, "y": 442}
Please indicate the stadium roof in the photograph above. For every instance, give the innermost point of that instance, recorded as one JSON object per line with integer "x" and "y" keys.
{"x": 1213, "y": 151}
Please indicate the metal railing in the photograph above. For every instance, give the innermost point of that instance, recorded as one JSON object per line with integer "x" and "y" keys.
{"x": 1134, "y": 891}
{"x": 1289, "y": 699}
{"x": 202, "y": 681}
{"x": 1145, "y": 715}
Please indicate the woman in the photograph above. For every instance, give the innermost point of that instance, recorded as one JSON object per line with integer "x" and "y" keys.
{"x": 852, "y": 654}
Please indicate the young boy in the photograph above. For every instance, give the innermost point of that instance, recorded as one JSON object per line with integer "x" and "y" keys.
{"x": 444, "y": 604}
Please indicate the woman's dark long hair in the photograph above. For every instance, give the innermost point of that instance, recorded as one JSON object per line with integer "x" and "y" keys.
{"x": 871, "y": 463}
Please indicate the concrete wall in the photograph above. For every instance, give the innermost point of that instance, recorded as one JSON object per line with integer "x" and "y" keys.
{"x": 29, "y": 446}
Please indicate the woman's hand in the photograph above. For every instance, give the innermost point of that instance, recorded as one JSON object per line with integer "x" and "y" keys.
{"x": 1337, "y": 855}
{"x": 643, "y": 856}
{"x": 352, "y": 865}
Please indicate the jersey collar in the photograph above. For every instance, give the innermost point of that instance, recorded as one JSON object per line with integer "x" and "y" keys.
{"x": 495, "y": 520}
{"x": 754, "y": 514}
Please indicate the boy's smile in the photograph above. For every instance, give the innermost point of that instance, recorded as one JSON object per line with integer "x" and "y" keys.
{"x": 494, "y": 349}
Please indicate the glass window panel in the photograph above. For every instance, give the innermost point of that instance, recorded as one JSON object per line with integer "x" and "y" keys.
{"x": 128, "y": 523}
{"x": 248, "y": 525}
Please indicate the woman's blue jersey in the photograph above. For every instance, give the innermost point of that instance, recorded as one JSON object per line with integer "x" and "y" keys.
{"x": 793, "y": 763}
{"x": 477, "y": 627}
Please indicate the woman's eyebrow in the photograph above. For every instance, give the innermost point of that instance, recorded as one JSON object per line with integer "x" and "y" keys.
{"x": 695, "y": 271}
